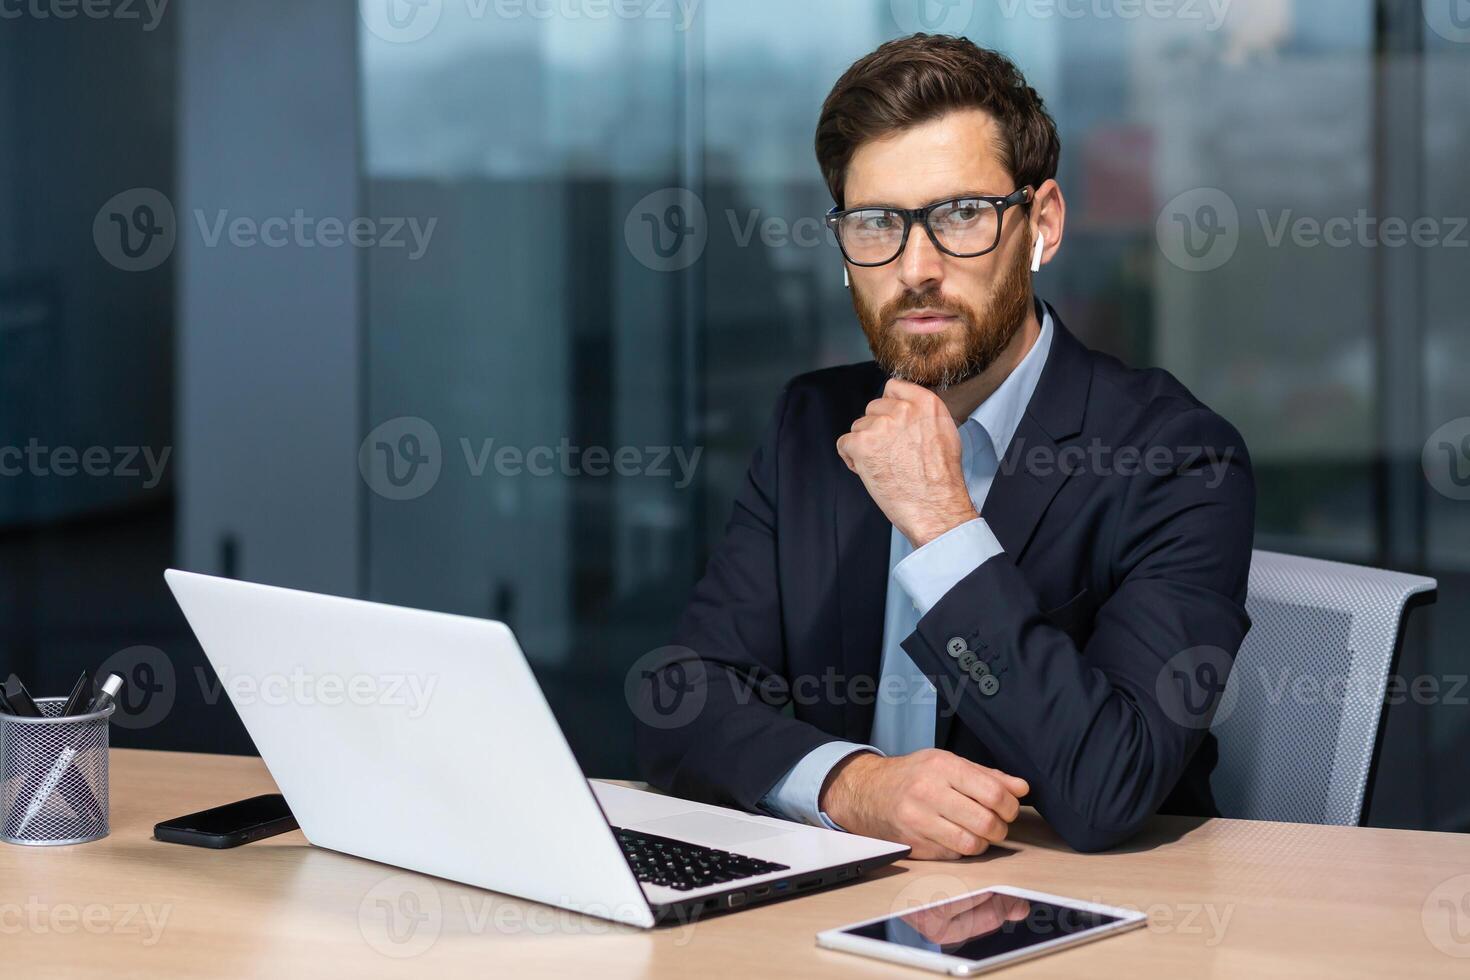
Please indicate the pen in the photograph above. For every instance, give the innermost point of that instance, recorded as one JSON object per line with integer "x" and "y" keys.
{"x": 107, "y": 695}
{"x": 47, "y": 787}
{"x": 77, "y": 699}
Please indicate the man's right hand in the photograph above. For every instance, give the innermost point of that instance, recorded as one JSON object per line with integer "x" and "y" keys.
{"x": 942, "y": 806}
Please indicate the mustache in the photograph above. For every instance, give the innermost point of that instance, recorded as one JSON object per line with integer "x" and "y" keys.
{"x": 927, "y": 300}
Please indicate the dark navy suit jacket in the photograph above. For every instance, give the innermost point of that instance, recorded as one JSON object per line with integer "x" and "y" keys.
{"x": 1126, "y": 509}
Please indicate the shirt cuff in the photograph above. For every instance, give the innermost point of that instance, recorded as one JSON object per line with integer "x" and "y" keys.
{"x": 797, "y": 795}
{"x": 931, "y": 571}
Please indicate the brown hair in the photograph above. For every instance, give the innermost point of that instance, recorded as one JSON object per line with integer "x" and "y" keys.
{"x": 914, "y": 79}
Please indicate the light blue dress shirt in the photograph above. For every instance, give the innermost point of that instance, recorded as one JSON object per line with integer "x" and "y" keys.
{"x": 903, "y": 717}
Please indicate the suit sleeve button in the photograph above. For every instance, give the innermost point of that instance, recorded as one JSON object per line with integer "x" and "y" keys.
{"x": 989, "y": 684}
{"x": 956, "y": 646}
{"x": 967, "y": 661}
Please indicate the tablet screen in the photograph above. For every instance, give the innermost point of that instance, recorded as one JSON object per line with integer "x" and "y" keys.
{"x": 983, "y": 925}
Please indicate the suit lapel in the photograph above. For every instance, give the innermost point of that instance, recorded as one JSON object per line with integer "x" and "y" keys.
{"x": 862, "y": 542}
{"x": 1030, "y": 475}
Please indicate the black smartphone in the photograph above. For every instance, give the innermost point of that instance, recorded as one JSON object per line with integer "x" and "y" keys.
{"x": 230, "y": 825}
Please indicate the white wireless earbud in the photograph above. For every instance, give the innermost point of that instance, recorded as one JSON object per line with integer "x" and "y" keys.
{"x": 845, "y": 281}
{"x": 1036, "y": 255}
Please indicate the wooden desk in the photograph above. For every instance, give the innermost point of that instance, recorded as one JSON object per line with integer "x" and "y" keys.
{"x": 1228, "y": 898}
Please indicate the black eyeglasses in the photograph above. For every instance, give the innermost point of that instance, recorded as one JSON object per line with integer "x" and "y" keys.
{"x": 963, "y": 227}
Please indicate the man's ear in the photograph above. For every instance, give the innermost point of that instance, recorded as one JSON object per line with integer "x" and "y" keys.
{"x": 1048, "y": 221}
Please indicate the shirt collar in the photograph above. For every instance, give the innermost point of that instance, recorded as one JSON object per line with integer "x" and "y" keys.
{"x": 1000, "y": 414}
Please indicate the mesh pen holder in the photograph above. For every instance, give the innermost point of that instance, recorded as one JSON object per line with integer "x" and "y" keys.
{"x": 53, "y": 776}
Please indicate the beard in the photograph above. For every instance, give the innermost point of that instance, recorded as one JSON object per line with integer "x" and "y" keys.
{"x": 939, "y": 360}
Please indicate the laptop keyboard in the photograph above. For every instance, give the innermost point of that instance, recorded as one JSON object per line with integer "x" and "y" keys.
{"x": 684, "y": 866}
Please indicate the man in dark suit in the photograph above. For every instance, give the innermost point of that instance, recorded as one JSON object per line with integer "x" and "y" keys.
{"x": 990, "y": 565}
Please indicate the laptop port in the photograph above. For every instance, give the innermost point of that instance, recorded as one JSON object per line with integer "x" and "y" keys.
{"x": 735, "y": 901}
{"x": 760, "y": 891}
{"x": 809, "y": 882}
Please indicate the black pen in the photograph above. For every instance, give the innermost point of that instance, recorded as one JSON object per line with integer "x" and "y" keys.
{"x": 77, "y": 700}
{"x": 107, "y": 695}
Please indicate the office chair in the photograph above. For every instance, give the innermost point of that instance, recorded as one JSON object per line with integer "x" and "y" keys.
{"x": 1301, "y": 719}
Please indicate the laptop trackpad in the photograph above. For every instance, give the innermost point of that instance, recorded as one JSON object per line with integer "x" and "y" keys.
{"x": 710, "y": 828}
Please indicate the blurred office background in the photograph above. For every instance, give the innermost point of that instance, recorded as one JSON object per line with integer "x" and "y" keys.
{"x": 623, "y": 251}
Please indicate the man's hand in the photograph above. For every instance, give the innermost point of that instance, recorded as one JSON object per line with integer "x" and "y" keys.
{"x": 906, "y": 449}
{"x": 942, "y": 806}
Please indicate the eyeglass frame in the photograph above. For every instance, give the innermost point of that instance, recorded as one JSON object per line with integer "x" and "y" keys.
{"x": 1022, "y": 197}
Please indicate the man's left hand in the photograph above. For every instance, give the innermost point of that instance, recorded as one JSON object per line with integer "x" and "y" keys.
{"x": 907, "y": 451}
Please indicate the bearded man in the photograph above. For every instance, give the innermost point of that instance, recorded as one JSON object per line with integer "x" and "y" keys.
{"x": 989, "y": 566}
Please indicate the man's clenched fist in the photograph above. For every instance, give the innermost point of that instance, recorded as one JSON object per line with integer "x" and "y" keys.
{"x": 942, "y": 806}
{"x": 906, "y": 449}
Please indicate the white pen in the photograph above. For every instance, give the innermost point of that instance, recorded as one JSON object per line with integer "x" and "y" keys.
{"x": 47, "y": 787}
{"x": 107, "y": 695}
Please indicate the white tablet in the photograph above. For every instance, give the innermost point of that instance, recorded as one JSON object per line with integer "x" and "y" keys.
{"x": 981, "y": 931}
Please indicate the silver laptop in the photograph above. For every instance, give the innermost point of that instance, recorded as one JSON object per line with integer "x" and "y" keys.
{"x": 422, "y": 740}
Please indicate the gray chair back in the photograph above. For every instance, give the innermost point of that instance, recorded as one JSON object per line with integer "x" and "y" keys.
{"x": 1298, "y": 725}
